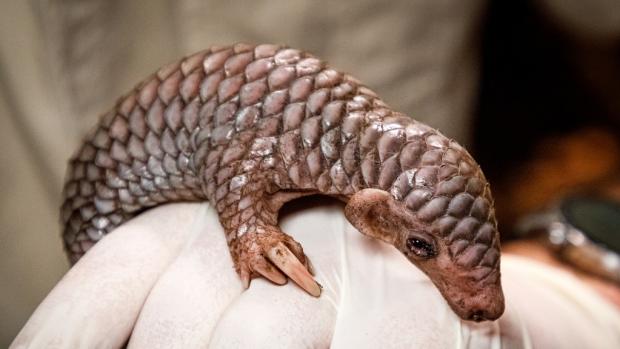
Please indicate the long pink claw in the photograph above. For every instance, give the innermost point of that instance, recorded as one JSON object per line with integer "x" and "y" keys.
{"x": 270, "y": 273}
{"x": 284, "y": 259}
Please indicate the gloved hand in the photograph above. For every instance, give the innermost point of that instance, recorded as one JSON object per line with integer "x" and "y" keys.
{"x": 166, "y": 280}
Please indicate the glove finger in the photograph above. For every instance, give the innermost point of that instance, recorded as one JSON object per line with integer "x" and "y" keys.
{"x": 97, "y": 301}
{"x": 185, "y": 305}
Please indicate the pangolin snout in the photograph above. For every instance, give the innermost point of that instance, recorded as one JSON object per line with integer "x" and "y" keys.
{"x": 485, "y": 304}
{"x": 486, "y": 312}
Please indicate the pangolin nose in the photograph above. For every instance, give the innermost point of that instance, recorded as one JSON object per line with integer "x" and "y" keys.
{"x": 478, "y": 316}
{"x": 485, "y": 311}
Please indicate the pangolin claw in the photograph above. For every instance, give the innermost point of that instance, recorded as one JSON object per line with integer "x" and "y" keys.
{"x": 283, "y": 258}
{"x": 270, "y": 273}
{"x": 245, "y": 278}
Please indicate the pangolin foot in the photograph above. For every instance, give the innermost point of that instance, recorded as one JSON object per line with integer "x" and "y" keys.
{"x": 270, "y": 253}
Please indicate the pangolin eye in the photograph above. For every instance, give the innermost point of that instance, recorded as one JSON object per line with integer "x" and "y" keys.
{"x": 421, "y": 248}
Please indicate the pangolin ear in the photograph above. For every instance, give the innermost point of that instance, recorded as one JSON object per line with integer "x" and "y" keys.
{"x": 375, "y": 213}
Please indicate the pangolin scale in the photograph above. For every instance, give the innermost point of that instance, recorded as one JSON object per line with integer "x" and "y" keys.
{"x": 250, "y": 127}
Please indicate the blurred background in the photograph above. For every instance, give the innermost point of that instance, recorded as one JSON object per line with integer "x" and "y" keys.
{"x": 532, "y": 88}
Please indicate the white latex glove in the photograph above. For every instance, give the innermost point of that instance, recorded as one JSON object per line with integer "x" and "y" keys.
{"x": 166, "y": 280}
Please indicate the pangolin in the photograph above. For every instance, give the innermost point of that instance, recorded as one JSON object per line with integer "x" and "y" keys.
{"x": 249, "y": 128}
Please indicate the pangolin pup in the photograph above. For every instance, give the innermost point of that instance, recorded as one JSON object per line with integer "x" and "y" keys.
{"x": 249, "y": 128}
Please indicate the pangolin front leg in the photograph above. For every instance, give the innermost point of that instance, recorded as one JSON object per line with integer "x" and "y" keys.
{"x": 258, "y": 246}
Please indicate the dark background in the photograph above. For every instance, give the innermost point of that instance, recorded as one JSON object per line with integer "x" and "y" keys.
{"x": 548, "y": 108}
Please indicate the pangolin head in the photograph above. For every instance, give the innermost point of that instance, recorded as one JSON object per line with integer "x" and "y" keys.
{"x": 439, "y": 213}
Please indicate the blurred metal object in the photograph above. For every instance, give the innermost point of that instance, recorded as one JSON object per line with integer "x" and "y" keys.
{"x": 584, "y": 231}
